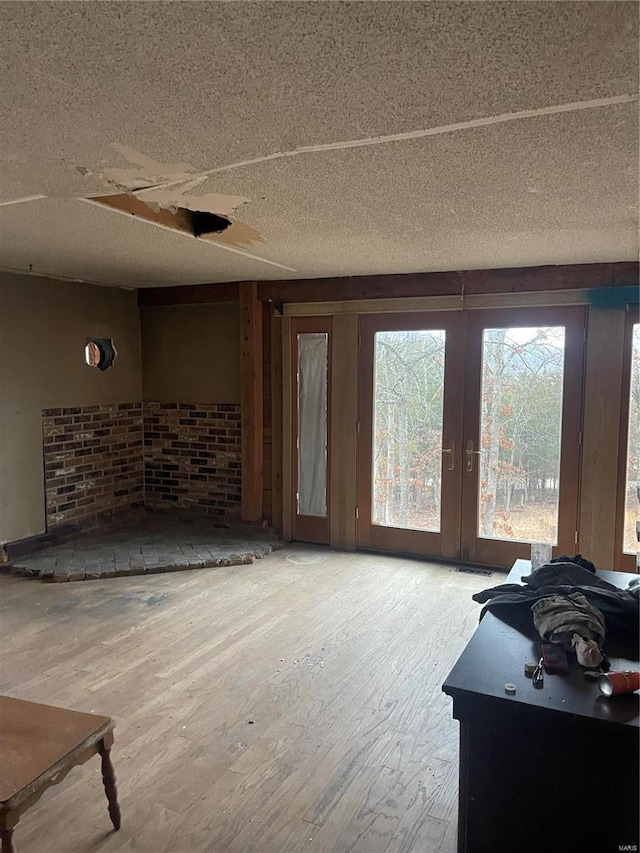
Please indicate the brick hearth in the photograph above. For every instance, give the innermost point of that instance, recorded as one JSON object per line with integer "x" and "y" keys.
{"x": 155, "y": 543}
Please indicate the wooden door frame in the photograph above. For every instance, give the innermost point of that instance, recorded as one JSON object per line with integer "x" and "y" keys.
{"x": 446, "y": 543}
{"x": 307, "y": 528}
{"x": 485, "y": 551}
{"x": 624, "y": 562}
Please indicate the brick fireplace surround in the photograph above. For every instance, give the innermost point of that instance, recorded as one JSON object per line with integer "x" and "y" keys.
{"x": 102, "y": 462}
{"x": 192, "y": 457}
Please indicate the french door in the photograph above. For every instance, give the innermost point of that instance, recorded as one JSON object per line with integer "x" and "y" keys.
{"x": 469, "y": 432}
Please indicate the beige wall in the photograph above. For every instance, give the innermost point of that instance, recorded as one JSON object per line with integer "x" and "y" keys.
{"x": 191, "y": 353}
{"x": 43, "y": 326}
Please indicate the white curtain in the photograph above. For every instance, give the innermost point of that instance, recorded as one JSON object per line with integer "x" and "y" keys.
{"x": 312, "y": 424}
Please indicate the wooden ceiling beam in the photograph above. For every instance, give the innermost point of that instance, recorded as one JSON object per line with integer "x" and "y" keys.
{"x": 514, "y": 280}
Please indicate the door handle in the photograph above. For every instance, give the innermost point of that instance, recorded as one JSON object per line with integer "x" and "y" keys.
{"x": 470, "y": 453}
{"x": 452, "y": 455}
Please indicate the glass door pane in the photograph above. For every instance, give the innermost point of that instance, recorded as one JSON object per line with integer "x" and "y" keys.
{"x": 310, "y": 366}
{"x": 411, "y": 379}
{"x": 520, "y": 433}
{"x": 632, "y": 479}
{"x": 312, "y": 424}
{"x": 408, "y": 400}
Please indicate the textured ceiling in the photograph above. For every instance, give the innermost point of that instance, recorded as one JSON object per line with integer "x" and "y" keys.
{"x": 357, "y": 138}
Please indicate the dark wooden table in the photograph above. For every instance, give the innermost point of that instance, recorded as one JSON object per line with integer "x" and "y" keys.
{"x": 553, "y": 769}
{"x": 39, "y": 744}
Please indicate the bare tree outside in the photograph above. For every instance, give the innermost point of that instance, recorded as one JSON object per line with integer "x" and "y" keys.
{"x": 520, "y": 432}
{"x": 407, "y": 443}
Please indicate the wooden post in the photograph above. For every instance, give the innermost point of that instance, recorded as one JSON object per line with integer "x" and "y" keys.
{"x": 276, "y": 423}
{"x": 251, "y": 400}
{"x": 344, "y": 424}
{"x": 287, "y": 438}
{"x": 601, "y": 434}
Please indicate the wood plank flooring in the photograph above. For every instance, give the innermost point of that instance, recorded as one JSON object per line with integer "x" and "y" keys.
{"x": 290, "y": 705}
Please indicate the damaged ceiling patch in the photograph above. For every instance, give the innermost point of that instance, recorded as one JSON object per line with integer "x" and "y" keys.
{"x": 146, "y": 172}
{"x": 223, "y": 205}
{"x": 238, "y": 234}
{"x": 168, "y": 185}
{"x": 196, "y": 223}
{"x": 164, "y": 193}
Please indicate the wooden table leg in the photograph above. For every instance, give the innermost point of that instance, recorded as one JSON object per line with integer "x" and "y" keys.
{"x": 7, "y": 840}
{"x": 109, "y": 781}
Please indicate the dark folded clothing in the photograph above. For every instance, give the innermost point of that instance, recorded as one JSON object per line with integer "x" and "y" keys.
{"x": 578, "y": 558}
{"x": 619, "y": 607}
{"x": 565, "y": 574}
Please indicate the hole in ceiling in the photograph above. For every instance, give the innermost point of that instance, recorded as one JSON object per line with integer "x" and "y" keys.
{"x": 204, "y": 222}
{"x": 198, "y": 223}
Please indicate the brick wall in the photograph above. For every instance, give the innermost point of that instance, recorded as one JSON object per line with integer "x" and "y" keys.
{"x": 92, "y": 463}
{"x": 192, "y": 457}
{"x": 96, "y": 468}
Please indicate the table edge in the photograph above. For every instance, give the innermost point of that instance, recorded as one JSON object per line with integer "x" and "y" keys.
{"x": 42, "y": 783}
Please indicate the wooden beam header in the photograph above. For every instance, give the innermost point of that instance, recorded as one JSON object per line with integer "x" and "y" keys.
{"x": 456, "y": 283}
{"x": 601, "y": 297}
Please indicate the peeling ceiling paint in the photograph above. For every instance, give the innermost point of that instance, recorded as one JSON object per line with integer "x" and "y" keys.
{"x": 167, "y": 185}
{"x": 144, "y": 171}
{"x": 223, "y": 205}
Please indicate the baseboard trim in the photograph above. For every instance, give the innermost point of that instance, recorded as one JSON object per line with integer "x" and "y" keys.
{"x": 20, "y": 547}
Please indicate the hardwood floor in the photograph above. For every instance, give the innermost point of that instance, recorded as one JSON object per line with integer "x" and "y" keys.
{"x": 289, "y": 705}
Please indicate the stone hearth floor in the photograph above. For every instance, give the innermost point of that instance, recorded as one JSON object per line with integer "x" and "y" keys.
{"x": 150, "y": 546}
